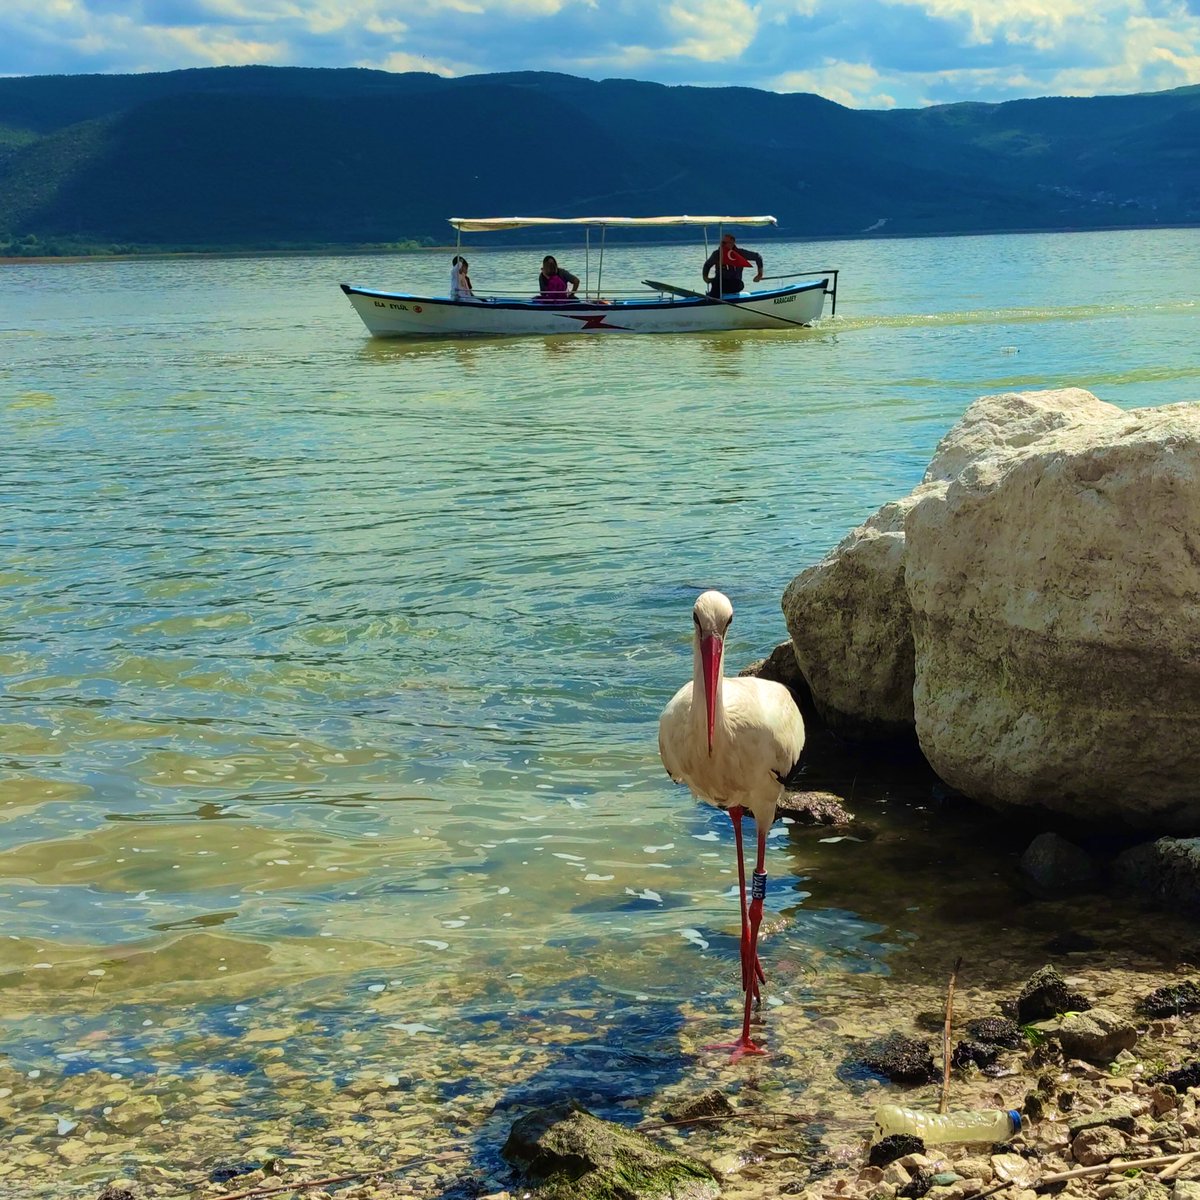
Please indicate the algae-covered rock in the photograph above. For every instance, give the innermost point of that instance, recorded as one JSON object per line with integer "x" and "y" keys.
{"x": 899, "y": 1058}
{"x": 1046, "y": 995}
{"x": 894, "y": 1146}
{"x": 569, "y": 1154}
{"x": 1171, "y": 1000}
{"x": 997, "y": 1031}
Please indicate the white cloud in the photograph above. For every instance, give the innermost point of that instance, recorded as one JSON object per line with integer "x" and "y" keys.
{"x": 855, "y": 85}
{"x": 712, "y": 30}
{"x": 401, "y": 62}
{"x": 863, "y": 53}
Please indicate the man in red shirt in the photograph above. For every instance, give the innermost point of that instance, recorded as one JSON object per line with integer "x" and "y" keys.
{"x": 733, "y": 259}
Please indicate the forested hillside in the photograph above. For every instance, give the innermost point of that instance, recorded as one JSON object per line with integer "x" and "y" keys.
{"x": 259, "y": 157}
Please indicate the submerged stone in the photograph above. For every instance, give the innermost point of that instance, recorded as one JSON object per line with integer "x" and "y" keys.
{"x": 569, "y": 1154}
{"x": 901, "y": 1059}
{"x": 979, "y": 1054}
{"x": 1057, "y": 865}
{"x": 708, "y": 1104}
{"x": 997, "y": 1031}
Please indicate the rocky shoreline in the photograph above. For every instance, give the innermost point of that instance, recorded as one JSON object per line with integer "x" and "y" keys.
{"x": 1109, "y": 1096}
{"x": 793, "y": 1123}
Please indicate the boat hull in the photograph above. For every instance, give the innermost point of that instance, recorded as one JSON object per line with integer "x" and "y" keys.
{"x": 398, "y": 314}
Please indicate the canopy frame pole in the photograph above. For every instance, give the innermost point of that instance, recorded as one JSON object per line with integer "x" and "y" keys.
{"x": 720, "y": 279}
{"x": 600, "y": 268}
{"x": 587, "y": 260}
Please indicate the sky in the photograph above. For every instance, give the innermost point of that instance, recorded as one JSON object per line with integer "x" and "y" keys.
{"x": 870, "y": 54}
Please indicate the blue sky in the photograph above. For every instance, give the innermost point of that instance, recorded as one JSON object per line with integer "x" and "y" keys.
{"x": 861, "y": 53}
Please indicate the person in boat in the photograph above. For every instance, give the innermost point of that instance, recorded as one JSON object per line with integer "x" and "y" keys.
{"x": 555, "y": 282}
{"x": 460, "y": 281}
{"x": 724, "y": 266}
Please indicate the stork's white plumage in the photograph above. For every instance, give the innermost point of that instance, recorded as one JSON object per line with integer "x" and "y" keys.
{"x": 733, "y": 742}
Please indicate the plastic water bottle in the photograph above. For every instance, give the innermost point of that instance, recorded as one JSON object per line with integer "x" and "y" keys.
{"x": 991, "y": 1125}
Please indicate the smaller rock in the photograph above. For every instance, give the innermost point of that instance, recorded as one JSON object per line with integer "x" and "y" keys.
{"x": 1057, "y": 865}
{"x": 815, "y": 808}
{"x": 1098, "y": 1145}
{"x": 728, "y": 1164}
{"x": 1163, "y": 1099}
{"x": 978, "y": 1054}
{"x": 997, "y": 1031}
{"x": 1097, "y": 1035}
{"x": 1173, "y": 1000}
{"x": 135, "y": 1114}
{"x": 570, "y": 1154}
{"x": 708, "y": 1104}
{"x": 1167, "y": 870}
{"x": 1145, "y": 1188}
{"x": 1119, "y": 1117}
{"x": 974, "y": 1167}
{"x": 920, "y": 1183}
{"x": 1186, "y": 1189}
{"x": 116, "y": 1191}
{"x": 1012, "y": 1168}
{"x": 949, "y": 1192}
{"x": 1182, "y": 1078}
{"x": 901, "y": 1059}
{"x": 1045, "y": 995}
{"x": 893, "y": 1147}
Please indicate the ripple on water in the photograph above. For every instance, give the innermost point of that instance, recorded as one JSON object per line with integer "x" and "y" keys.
{"x": 332, "y": 669}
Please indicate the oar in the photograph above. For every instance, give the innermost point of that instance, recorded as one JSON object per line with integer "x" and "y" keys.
{"x": 680, "y": 291}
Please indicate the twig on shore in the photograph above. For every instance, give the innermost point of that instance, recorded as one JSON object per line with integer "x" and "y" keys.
{"x": 365, "y": 1173}
{"x": 946, "y": 1036}
{"x": 1174, "y": 1169}
{"x": 739, "y": 1114}
{"x": 312, "y": 1183}
{"x": 1108, "y": 1168}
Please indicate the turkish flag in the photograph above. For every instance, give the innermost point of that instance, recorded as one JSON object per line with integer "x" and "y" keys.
{"x": 734, "y": 258}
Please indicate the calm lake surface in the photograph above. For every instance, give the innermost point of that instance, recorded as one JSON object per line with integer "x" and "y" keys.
{"x": 330, "y": 667}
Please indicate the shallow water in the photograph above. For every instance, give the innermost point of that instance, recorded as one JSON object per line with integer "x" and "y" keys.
{"x": 331, "y": 666}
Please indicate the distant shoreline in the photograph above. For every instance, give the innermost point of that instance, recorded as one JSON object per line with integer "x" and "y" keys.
{"x": 451, "y": 248}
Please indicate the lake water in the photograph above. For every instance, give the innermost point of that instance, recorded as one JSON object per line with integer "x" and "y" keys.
{"x": 331, "y": 670}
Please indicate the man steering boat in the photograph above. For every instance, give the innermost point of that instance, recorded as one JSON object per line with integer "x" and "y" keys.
{"x": 725, "y": 266}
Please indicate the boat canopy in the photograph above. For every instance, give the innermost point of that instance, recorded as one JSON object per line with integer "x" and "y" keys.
{"x": 486, "y": 224}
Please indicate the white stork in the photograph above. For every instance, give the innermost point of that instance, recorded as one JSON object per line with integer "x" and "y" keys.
{"x": 733, "y": 742}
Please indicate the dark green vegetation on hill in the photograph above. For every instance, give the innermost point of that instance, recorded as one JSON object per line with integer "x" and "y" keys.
{"x": 278, "y": 158}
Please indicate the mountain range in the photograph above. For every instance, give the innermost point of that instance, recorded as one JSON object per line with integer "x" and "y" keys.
{"x": 282, "y": 157}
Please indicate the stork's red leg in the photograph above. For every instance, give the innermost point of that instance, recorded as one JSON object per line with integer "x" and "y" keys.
{"x": 735, "y": 815}
{"x": 748, "y": 956}
{"x": 751, "y": 920}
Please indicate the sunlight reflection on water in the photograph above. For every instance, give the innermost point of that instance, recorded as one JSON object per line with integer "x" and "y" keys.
{"x": 332, "y": 664}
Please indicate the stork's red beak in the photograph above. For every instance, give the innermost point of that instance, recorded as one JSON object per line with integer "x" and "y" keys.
{"x": 710, "y": 658}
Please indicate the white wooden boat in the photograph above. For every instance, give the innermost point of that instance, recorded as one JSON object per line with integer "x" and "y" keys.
{"x": 668, "y": 309}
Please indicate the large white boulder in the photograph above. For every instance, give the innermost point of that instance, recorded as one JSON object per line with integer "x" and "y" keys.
{"x": 848, "y": 618}
{"x": 1035, "y": 606}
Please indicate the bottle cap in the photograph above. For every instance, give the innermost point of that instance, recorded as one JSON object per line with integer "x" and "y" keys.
{"x": 1015, "y": 1117}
